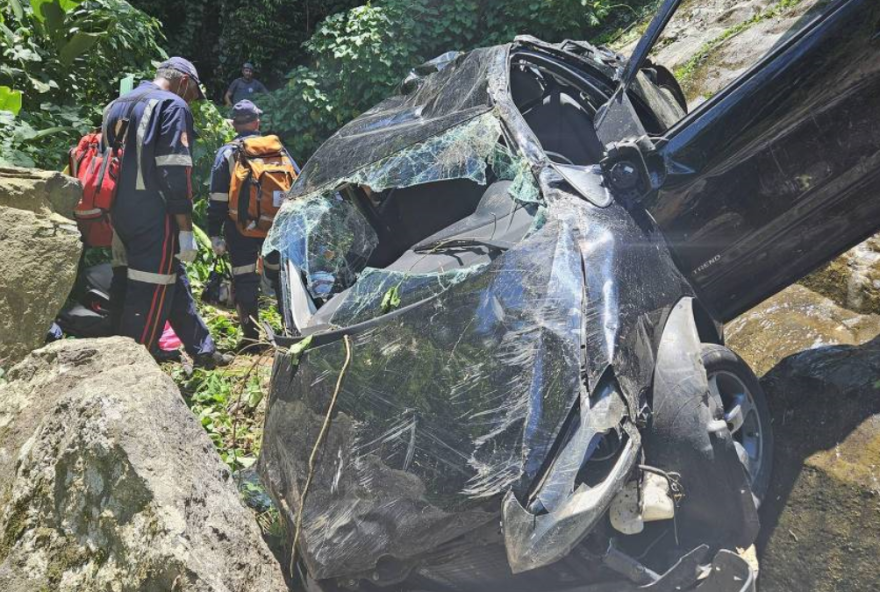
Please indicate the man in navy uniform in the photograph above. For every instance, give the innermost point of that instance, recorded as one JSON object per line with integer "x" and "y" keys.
{"x": 245, "y": 87}
{"x": 225, "y": 234}
{"x": 152, "y": 214}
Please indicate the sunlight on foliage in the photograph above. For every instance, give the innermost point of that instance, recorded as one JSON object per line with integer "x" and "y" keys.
{"x": 66, "y": 58}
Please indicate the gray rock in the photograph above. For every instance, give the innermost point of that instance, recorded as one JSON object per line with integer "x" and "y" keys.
{"x": 41, "y": 250}
{"x": 41, "y": 192}
{"x": 853, "y": 279}
{"x": 108, "y": 482}
{"x": 822, "y": 513}
{"x": 792, "y": 321}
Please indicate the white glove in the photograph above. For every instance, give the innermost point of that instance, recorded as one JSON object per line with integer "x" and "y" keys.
{"x": 188, "y": 247}
{"x": 219, "y": 246}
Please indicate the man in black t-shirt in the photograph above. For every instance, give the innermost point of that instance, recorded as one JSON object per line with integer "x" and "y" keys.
{"x": 245, "y": 87}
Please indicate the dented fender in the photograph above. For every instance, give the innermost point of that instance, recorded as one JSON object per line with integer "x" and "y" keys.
{"x": 687, "y": 435}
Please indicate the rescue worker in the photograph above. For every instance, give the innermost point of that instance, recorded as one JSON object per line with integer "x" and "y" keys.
{"x": 245, "y": 87}
{"x": 152, "y": 213}
{"x": 226, "y": 235}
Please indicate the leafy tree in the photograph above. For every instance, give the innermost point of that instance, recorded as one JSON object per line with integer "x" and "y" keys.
{"x": 220, "y": 35}
{"x": 359, "y": 56}
{"x": 63, "y": 60}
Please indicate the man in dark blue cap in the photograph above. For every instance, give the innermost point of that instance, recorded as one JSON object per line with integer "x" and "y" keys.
{"x": 152, "y": 214}
{"x": 245, "y": 87}
{"x": 243, "y": 244}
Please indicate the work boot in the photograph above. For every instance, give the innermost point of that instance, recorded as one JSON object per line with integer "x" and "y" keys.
{"x": 161, "y": 356}
{"x": 248, "y": 315}
{"x": 212, "y": 360}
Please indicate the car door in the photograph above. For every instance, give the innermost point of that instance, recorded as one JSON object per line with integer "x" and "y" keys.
{"x": 779, "y": 172}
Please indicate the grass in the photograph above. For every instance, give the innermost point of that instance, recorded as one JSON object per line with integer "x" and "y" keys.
{"x": 230, "y": 401}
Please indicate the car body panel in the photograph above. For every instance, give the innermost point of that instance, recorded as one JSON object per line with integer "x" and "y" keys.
{"x": 781, "y": 171}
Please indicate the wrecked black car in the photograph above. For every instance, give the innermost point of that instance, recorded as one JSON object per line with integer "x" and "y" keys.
{"x": 505, "y": 289}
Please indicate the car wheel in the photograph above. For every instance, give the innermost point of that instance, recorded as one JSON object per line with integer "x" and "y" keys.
{"x": 745, "y": 411}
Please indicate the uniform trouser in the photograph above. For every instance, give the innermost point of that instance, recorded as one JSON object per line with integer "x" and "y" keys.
{"x": 153, "y": 287}
{"x": 244, "y": 251}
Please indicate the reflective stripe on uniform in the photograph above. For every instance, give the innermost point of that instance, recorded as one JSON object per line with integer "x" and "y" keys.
{"x": 141, "y": 136}
{"x": 219, "y": 197}
{"x": 118, "y": 256}
{"x": 243, "y": 269}
{"x": 105, "y": 122}
{"x": 149, "y": 277}
{"x": 86, "y": 213}
{"x": 267, "y": 218}
{"x": 174, "y": 160}
{"x": 271, "y": 266}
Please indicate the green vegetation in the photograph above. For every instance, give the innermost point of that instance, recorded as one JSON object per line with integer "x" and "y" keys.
{"x": 687, "y": 72}
{"x": 229, "y": 404}
{"x": 358, "y": 57}
{"x": 62, "y": 60}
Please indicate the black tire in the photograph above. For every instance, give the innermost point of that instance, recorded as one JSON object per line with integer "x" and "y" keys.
{"x": 726, "y": 366}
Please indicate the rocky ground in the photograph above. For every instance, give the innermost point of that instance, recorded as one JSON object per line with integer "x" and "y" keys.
{"x": 109, "y": 482}
{"x": 821, "y": 373}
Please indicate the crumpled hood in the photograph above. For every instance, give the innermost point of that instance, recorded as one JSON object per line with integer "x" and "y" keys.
{"x": 449, "y": 404}
{"x": 444, "y": 408}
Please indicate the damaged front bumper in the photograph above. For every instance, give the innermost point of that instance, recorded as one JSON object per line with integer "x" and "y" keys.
{"x": 533, "y": 540}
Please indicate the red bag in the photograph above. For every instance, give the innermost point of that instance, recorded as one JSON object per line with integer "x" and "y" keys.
{"x": 98, "y": 170}
{"x": 97, "y": 167}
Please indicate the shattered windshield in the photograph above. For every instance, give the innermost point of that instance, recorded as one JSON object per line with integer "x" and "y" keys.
{"x": 354, "y": 240}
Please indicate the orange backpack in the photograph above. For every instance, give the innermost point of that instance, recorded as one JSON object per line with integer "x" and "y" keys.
{"x": 262, "y": 175}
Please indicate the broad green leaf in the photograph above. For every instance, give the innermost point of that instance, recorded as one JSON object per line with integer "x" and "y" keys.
{"x": 51, "y": 130}
{"x": 201, "y": 238}
{"x": 297, "y": 349}
{"x": 39, "y": 86}
{"x": 78, "y": 45}
{"x": 46, "y": 9}
{"x": 37, "y": 7}
{"x": 17, "y": 10}
{"x": 54, "y": 21}
{"x": 68, "y": 5}
{"x": 10, "y": 100}
{"x": 8, "y": 35}
{"x": 391, "y": 300}
{"x": 25, "y": 55}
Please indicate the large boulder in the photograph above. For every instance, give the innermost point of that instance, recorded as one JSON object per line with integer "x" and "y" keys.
{"x": 792, "y": 321}
{"x": 821, "y": 516}
{"x": 853, "y": 279}
{"x": 108, "y": 482}
{"x": 41, "y": 250}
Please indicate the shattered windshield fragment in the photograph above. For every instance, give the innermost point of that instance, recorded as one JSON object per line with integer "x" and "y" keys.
{"x": 391, "y": 226}
{"x": 327, "y": 238}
